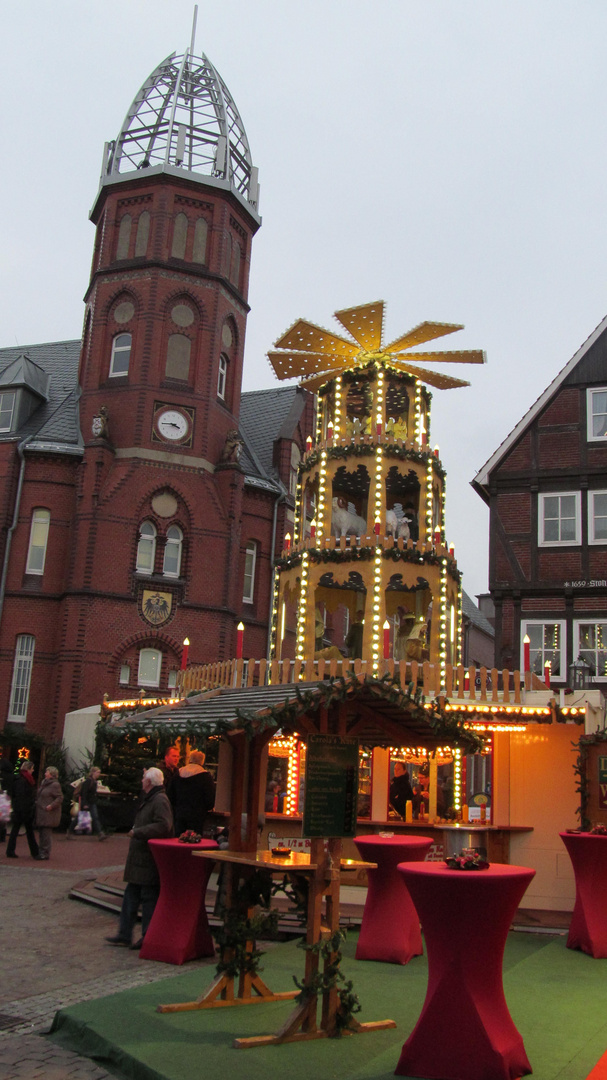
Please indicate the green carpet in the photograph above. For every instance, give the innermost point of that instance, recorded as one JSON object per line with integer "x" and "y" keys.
{"x": 557, "y": 998}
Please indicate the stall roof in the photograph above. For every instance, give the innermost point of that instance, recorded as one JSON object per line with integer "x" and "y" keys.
{"x": 376, "y": 711}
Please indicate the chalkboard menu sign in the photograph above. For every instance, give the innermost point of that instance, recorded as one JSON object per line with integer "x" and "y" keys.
{"x": 331, "y": 792}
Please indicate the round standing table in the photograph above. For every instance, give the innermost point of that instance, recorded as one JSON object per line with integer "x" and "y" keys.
{"x": 390, "y": 927}
{"x": 179, "y": 930}
{"x": 588, "y": 930}
{"x": 465, "y": 1029}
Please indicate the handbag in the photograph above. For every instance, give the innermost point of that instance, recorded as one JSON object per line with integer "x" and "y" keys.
{"x": 84, "y": 823}
{"x": 74, "y": 808}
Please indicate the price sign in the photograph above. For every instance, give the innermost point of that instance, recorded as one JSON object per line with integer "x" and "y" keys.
{"x": 331, "y": 791}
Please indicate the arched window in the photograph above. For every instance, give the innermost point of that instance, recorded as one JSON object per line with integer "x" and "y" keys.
{"x": 146, "y": 548}
{"x": 180, "y": 236}
{"x": 22, "y": 675}
{"x": 124, "y": 237}
{"x": 235, "y": 263}
{"x": 199, "y": 251}
{"x": 36, "y": 553}
{"x": 250, "y": 559}
{"x": 150, "y": 662}
{"x": 143, "y": 234}
{"x": 178, "y": 357}
{"x": 171, "y": 564}
{"x": 121, "y": 354}
{"x": 222, "y": 377}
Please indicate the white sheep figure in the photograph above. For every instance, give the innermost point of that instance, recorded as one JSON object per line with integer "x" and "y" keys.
{"x": 403, "y": 529}
{"x": 391, "y": 523}
{"x": 343, "y": 521}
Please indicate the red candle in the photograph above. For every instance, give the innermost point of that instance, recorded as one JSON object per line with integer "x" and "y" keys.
{"x": 386, "y": 640}
{"x": 452, "y": 550}
{"x": 378, "y": 429}
{"x": 184, "y": 654}
{"x": 312, "y": 529}
{"x": 527, "y": 652}
{"x": 330, "y": 431}
{"x": 376, "y": 528}
{"x": 287, "y": 541}
{"x": 547, "y": 673}
{"x": 308, "y": 444}
{"x": 239, "y": 640}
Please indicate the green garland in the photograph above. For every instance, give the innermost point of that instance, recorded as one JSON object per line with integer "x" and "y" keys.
{"x": 362, "y": 554}
{"x": 580, "y": 770}
{"x": 390, "y": 450}
{"x": 330, "y": 978}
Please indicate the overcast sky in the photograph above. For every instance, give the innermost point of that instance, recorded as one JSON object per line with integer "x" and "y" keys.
{"x": 446, "y": 156}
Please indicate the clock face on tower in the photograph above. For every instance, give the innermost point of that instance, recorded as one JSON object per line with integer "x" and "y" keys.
{"x": 172, "y": 424}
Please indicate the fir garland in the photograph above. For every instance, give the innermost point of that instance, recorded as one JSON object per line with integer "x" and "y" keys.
{"x": 330, "y": 978}
{"x": 580, "y": 770}
{"x": 361, "y": 554}
{"x": 365, "y": 449}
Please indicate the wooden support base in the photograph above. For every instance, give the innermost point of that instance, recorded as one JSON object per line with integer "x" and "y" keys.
{"x": 303, "y": 1036}
{"x": 221, "y": 993}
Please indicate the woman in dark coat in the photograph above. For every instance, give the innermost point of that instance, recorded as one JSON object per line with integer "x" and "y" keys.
{"x": 48, "y": 809}
{"x": 194, "y": 794}
{"x": 24, "y": 803}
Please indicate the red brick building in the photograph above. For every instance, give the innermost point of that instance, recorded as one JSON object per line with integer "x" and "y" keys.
{"x": 546, "y": 487}
{"x": 141, "y": 496}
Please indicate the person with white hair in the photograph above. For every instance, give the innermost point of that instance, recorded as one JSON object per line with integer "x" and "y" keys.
{"x": 153, "y": 821}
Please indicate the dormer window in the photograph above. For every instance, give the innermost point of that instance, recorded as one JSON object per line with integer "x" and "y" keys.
{"x": 7, "y": 408}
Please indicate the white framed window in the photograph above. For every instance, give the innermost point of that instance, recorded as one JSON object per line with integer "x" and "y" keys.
{"x": 36, "y": 552}
{"x": 590, "y": 643}
{"x": 597, "y": 517}
{"x": 172, "y": 680}
{"x": 547, "y": 644}
{"x": 7, "y": 408}
{"x": 560, "y": 518}
{"x": 150, "y": 661}
{"x": 121, "y": 354}
{"x": 22, "y": 675}
{"x": 171, "y": 564}
{"x": 146, "y": 548}
{"x": 125, "y": 674}
{"x": 250, "y": 559}
{"x": 596, "y": 412}
{"x": 222, "y": 377}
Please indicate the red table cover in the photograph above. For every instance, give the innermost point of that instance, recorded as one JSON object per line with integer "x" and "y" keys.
{"x": 588, "y": 930}
{"x": 465, "y": 1031}
{"x": 390, "y": 927}
{"x": 179, "y": 930}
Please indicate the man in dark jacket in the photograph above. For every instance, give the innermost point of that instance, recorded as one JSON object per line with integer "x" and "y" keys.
{"x": 401, "y": 791}
{"x": 170, "y": 771}
{"x": 153, "y": 821}
{"x": 194, "y": 795}
{"x": 24, "y": 803}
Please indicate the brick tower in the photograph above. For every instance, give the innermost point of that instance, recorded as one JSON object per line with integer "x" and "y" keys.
{"x": 156, "y": 533}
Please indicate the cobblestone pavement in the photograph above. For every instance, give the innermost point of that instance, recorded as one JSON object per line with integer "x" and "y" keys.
{"x": 53, "y": 955}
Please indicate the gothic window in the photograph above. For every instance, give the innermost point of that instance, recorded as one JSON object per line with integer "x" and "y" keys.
{"x": 178, "y": 357}
{"x": 172, "y": 552}
{"x": 121, "y": 354}
{"x": 124, "y": 237}
{"x": 146, "y": 548}
{"x": 36, "y": 553}
{"x": 222, "y": 377}
{"x": 180, "y": 236}
{"x": 22, "y": 674}
{"x": 143, "y": 234}
{"x": 250, "y": 559}
{"x": 150, "y": 661}
{"x": 7, "y": 407}
{"x": 199, "y": 251}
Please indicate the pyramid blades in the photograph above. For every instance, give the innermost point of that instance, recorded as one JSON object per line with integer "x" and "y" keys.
{"x": 365, "y": 323}
{"x": 433, "y": 378}
{"x": 463, "y": 356}
{"x": 306, "y": 337}
{"x": 290, "y": 364}
{"x": 426, "y": 331}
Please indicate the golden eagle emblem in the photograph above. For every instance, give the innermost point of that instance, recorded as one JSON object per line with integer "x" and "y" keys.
{"x": 156, "y": 607}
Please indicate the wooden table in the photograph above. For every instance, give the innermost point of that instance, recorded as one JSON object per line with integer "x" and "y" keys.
{"x": 465, "y": 1029}
{"x": 588, "y": 929}
{"x": 322, "y": 867}
{"x": 179, "y": 928}
{"x": 390, "y": 928}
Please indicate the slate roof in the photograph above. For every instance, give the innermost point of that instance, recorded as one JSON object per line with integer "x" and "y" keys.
{"x": 54, "y": 425}
{"x": 266, "y": 415}
{"x": 476, "y": 617}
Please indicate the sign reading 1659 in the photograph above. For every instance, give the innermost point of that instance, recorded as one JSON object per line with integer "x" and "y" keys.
{"x": 586, "y": 584}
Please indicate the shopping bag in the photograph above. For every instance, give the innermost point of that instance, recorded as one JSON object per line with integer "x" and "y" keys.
{"x": 5, "y": 808}
{"x": 84, "y": 823}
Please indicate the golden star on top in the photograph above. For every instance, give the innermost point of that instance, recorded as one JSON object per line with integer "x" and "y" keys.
{"x": 316, "y": 355}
